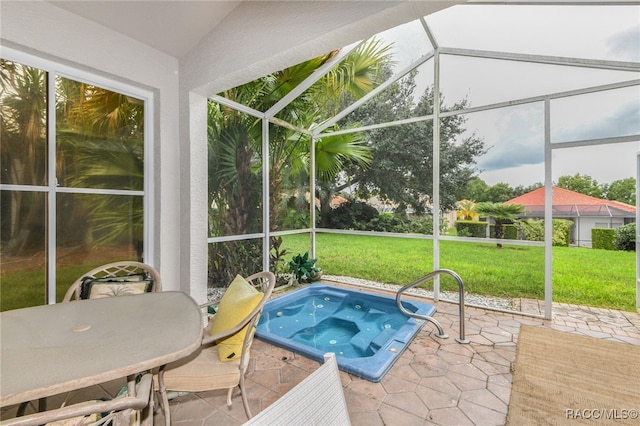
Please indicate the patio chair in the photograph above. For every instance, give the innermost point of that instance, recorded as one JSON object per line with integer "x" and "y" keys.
{"x": 115, "y": 279}
{"x": 222, "y": 360}
{"x": 317, "y": 400}
{"x": 124, "y": 410}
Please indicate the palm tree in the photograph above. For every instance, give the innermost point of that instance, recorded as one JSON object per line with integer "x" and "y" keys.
{"x": 23, "y": 152}
{"x": 101, "y": 145}
{"x": 500, "y": 213}
{"x": 235, "y": 144}
{"x": 466, "y": 209}
{"x": 288, "y": 150}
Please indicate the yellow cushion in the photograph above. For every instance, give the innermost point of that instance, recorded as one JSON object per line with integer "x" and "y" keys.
{"x": 236, "y": 303}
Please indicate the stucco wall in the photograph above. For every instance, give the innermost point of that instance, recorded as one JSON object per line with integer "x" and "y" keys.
{"x": 584, "y": 225}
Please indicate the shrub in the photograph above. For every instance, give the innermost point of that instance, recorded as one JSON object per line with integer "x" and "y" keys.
{"x": 562, "y": 232}
{"x": 352, "y": 215}
{"x": 471, "y": 228}
{"x": 533, "y": 230}
{"x": 625, "y": 237}
{"x": 602, "y": 238}
{"x": 360, "y": 216}
{"x": 385, "y": 222}
{"x": 510, "y": 231}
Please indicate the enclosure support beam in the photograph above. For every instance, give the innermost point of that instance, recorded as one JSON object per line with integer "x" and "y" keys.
{"x": 637, "y": 233}
{"x": 51, "y": 193}
{"x": 266, "y": 213}
{"x": 312, "y": 196}
{"x": 542, "y": 59}
{"x": 436, "y": 163}
{"x": 548, "y": 212}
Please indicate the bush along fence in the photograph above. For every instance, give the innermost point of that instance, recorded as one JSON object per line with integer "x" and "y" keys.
{"x": 622, "y": 238}
{"x": 526, "y": 229}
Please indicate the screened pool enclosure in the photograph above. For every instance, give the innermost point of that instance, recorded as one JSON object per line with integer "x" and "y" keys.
{"x": 191, "y": 140}
{"x": 402, "y": 121}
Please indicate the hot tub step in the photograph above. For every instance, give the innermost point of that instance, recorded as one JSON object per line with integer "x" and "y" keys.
{"x": 382, "y": 338}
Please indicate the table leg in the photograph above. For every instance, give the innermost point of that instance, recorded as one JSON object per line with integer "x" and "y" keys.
{"x": 164, "y": 398}
{"x": 42, "y": 406}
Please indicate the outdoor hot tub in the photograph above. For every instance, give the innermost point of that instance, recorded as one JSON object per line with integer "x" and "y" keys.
{"x": 366, "y": 331}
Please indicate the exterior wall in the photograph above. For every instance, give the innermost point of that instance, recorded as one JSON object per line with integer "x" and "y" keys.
{"x": 584, "y": 225}
{"x": 43, "y": 30}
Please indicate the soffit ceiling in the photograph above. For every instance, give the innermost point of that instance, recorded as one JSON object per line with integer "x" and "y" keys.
{"x": 173, "y": 27}
{"x": 176, "y": 27}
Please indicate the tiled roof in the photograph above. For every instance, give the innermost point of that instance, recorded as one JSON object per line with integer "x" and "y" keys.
{"x": 561, "y": 197}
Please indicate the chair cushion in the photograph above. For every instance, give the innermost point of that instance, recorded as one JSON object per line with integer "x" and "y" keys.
{"x": 236, "y": 303}
{"x": 95, "y": 288}
{"x": 202, "y": 371}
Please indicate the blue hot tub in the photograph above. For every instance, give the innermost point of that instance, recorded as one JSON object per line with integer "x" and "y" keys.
{"x": 366, "y": 331}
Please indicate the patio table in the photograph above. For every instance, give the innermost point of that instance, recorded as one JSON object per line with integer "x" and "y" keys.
{"x": 52, "y": 349}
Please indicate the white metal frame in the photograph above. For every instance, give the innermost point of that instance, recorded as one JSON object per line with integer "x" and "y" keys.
{"x": 549, "y": 146}
{"x": 55, "y": 70}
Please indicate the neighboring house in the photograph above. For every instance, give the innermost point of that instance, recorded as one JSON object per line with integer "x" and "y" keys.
{"x": 585, "y": 211}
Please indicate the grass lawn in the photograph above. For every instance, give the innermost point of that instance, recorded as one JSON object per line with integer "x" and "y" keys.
{"x": 582, "y": 276}
{"x": 22, "y": 289}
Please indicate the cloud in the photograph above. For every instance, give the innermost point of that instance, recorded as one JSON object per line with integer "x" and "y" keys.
{"x": 623, "y": 121}
{"x": 515, "y": 137}
{"x": 625, "y": 45}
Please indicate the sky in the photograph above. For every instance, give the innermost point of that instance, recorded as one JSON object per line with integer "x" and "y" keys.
{"x": 515, "y": 135}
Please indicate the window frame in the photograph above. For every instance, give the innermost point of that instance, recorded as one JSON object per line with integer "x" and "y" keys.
{"x": 56, "y": 69}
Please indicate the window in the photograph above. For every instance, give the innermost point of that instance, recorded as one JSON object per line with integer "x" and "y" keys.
{"x": 73, "y": 179}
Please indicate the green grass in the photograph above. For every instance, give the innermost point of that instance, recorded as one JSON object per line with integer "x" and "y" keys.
{"x": 27, "y": 288}
{"x": 582, "y": 276}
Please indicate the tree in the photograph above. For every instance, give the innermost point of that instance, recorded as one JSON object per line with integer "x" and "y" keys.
{"x": 499, "y": 193}
{"x": 521, "y": 190}
{"x": 401, "y": 168}
{"x": 623, "y": 190}
{"x": 500, "y": 213}
{"x": 583, "y": 184}
{"x": 466, "y": 209}
{"x": 23, "y": 153}
{"x": 235, "y": 144}
{"x": 475, "y": 189}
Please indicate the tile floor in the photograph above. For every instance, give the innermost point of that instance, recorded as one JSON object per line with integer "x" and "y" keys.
{"x": 435, "y": 381}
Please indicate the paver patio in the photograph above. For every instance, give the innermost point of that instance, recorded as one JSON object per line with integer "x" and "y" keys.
{"x": 435, "y": 381}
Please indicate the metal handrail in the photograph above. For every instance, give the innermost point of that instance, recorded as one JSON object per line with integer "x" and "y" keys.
{"x": 441, "y": 334}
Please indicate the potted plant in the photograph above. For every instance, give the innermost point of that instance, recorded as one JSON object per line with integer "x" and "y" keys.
{"x": 304, "y": 269}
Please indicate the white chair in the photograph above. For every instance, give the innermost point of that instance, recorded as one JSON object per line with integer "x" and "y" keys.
{"x": 318, "y": 400}
{"x": 122, "y": 411}
{"x": 115, "y": 279}
{"x": 223, "y": 358}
